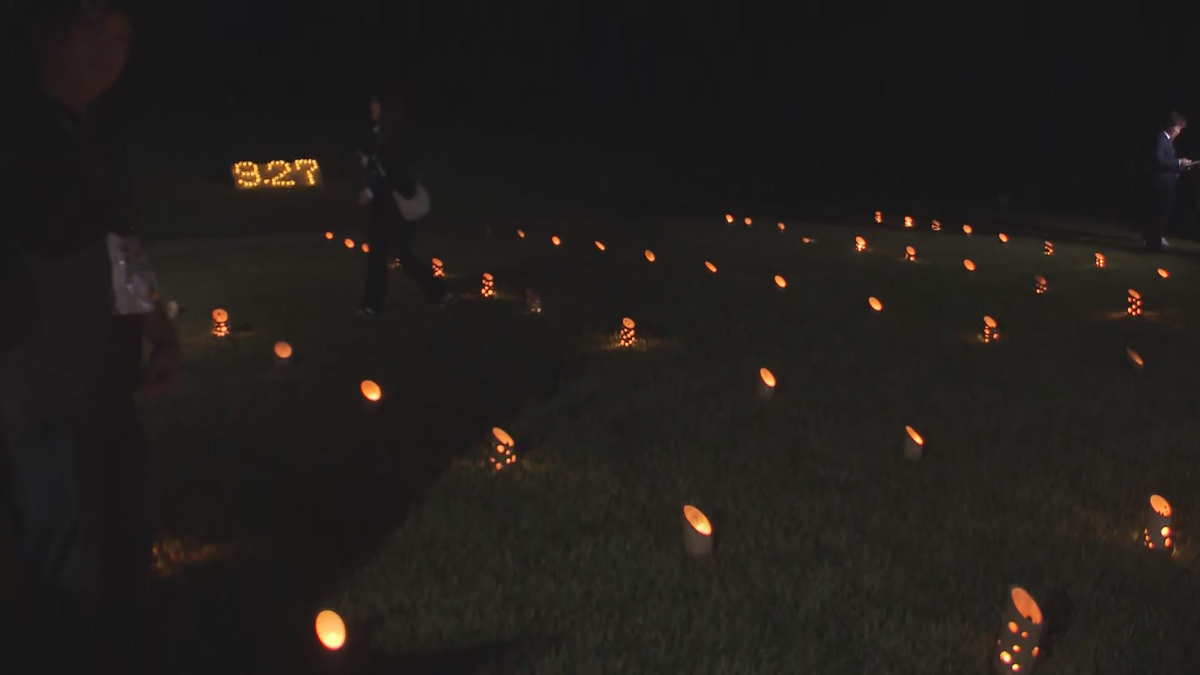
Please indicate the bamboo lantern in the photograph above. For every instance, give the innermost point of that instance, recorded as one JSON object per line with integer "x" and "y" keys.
{"x": 780, "y": 282}
{"x": 488, "y": 289}
{"x": 1039, "y": 284}
{"x": 283, "y": 351}
{"x": 991, "y": 330}
{"x": 910, "y": 253}
{"x": 348, "y": 243}
{"x": 1157, "y": 534}
{"x": 935, "y": 226}
{"x": 914, "y": 444}
{"x": 1048, "y": 248}
{"x": 1100, "y": 260}
{"x": 781, "y": 226}
{"x": 729, "y": 217}
{"x": 969, "y": 264}
{"x": 1017, "y": 647}
{"x": 329, "y": 236}
{"x": 697, "y": 532}
{"x": 805, "y": 240}
{"x": 372, "y": 394}
{"x": 626, "y": 337}
{"x": 1162, "y": 272}
{"x": 555, "y": 240}
{"x": 967, "y": 230}
{"x": 710, "y": 267}
{"x": 504, "y": 455}
{"x": 860, "y": 244}
{"x": 521, "y": 234}
{"x": 1135, "y": 359}
{"x": 879, "y": 216}
{"x": 331, "y": 630}
{"x": 1134, "y": 303}
{"x": 1003, "y": 238}
{"x": 366, "y": 248}
{"x": 220, "y": 323}
{"x": 438, "y": 269}
{"x": 766, "y": 384}
{"x": 749, "y": 222}
{"x": 650, "y": 255}
{"x": 600, "y": 245}
{"x": 908, "y": 222}
{"x": 875, "y": 303}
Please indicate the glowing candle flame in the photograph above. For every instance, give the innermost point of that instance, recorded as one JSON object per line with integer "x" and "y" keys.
{"x": 969, "y": 264}
{"x": 649, "y": 255}
{"x": 875, "y": 303}
{"x": 860, "y": 244}
{"x": 329, "y": 235}
{"x": 780, "y": 281}
{"x": 1160, "y": 505}
{"x": 916, "y": 438}
{"x": 697, "y": 520}
{"x": 283, "y": 350}
{"x": 879, "y": 216}
{"x": 967, "y": 230}
{"x": 711, "y": 267}
{"x": 370, "y": 391}
{"x": 600, "y": 245}
{"x": 1163, "y": 273}
{"x": 349, "y": 243}
{"x": 555, "y": 240}
{"x": 729, "y": 217}
{"x": 331, "y": 630}
{"x": 768, "y": 378}
{"x": 521, "y": 234}
{"x": 781, "y": 226}
{"x": 1003, "y": 238}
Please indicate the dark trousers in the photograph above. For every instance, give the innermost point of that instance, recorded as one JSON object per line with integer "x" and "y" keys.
{"x": 1161, "y": 210}
{"x": 390, "y": 236}
{"x": 79, "y": 488}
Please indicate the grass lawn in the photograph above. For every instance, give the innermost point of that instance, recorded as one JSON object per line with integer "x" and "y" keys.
{"x": 833, "y": 553}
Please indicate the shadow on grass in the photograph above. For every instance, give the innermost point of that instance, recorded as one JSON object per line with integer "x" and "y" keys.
{"x": 331, "y": 486}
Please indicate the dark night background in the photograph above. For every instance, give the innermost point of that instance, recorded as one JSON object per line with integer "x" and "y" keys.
{"x": 873, "y": 104}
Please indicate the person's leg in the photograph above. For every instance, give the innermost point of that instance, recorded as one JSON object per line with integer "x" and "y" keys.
{"x": 380, "y": 230}
{"x": 418, "y": 270}
{"x": 1152, "y": 234}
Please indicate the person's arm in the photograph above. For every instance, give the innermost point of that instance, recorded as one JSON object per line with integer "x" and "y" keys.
{"x": 1164, "y": 157}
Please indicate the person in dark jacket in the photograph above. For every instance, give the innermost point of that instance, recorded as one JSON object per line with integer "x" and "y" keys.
{"x": 383, "y": 156}
{"x": 1164, "y": 177}
{"x": 73, "y": 360}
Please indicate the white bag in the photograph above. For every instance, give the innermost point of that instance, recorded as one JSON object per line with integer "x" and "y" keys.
{"x": 415, "y": 208}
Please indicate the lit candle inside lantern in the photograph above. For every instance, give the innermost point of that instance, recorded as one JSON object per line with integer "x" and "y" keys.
{"x": 1003, "y": 238}
{"x": 626, "y": 337}
{"x": 860, "y": 244}
{"x": 349, "y": 243}
{"x": 329, "y": 235}
{"x": 805, "y": 240}
{"x": 1134, "y": 303}
{"x": 1039, "y": 284}
{"x": 283, "y": 350}
{"x": 600, "y": 245}
{"x": 488, "y": 289}
{"x": 331, "y": 630}
{"x": 220, "y": 323}
{"x": 781, "y": 226}
{"x": 438, "y": 269}
{"x": 372, "y": 394}
{"x": 521, "y": 234}
{"x": 991, "y": 330}
{"x": 875, "y": 303}
{"x": 1157, "y": 534}
{"x": 711, "y": 267}
{"x": 697, "y": 532}
{"x": 766, "y": 383}
{"x": 1135, "y": 359}
{"x": 1048, "y": 248}
{"x": 748, "y": 221}
{"x": 910, "y": 253}
{"x": 1020, "y": 631}
{"x": 967, "y": 230}
{"x": 969, "y": 264}
{"x": 505, "y": 454}
{"x": 729, "y": 217}
{"x": 649, "y": 255}
{"x": 366, "y": 248}
{"x": 935, "y": 226}
{"x": 780, "y": 281}
{"x": 1100, "y": 260}
{"x": 1163, "y": 273}
{"x": 555, "y": 240}
{"x": 879, "y": 216}
{"x": 908, "y": 221}
{"x": 914, "y": 444}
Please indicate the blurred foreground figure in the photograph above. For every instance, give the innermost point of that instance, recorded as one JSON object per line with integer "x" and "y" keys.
{"x": 395, "y": 200}
{"x": 80, "y": 299}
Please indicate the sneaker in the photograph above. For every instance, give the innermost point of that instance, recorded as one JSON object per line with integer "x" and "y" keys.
{"x": 365, "y": 312}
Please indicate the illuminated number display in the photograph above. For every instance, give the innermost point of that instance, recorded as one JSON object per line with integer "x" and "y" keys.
{"x": 277, "y": 173}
